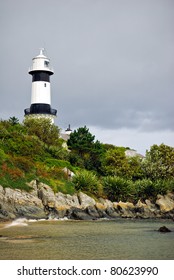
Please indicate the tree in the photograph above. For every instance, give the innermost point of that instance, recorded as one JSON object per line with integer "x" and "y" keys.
{"x": 13, "y": 120}
{"x": 85, "y": 152}
{"x": 81, "y": 141}
{"x": 135, "y": 167}
{"x": 116, "y": 164}
{"x": 43, "y": 129}
{"x": 159, "y": 162}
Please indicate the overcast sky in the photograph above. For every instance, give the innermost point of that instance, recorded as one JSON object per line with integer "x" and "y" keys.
{"x": 113, "y": 62}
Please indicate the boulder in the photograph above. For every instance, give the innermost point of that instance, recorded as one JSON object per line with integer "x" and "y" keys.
{"x": 66, "y": 199}
{"x": 152, "y": 207}
{"x": 30, "y": 212}
{"x": 100, "y": 206}
{"x": 72, "y": 200}
{"x": 85, "y": 200}
{"x": 79, "y": 214}
{"x": 92, "y": 211}
{"x": 110, "y": 211}
{"x": 166, "y": 202}
{"x": 164, "y": 229}
{"x": 68, "y": 172}
{"x": 101, "y": 209}
{"x": 15, "y": 203}
{"x": 124, "y": 209}
{"x": 46, "y": 194}
{"x": 42, "y": 202}
{"x": 107, "y": 203}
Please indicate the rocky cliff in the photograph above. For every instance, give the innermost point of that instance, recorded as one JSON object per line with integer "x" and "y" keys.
{"x": 42, "y": 202}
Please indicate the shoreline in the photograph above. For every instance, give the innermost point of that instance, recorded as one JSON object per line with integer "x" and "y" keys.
{"x": 43, "y": 203}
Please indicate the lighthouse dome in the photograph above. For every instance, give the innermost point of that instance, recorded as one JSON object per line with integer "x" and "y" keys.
{"x": 41, "y": 63}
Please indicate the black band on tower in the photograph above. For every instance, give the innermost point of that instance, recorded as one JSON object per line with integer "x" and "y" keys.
{"x": 40, "y": 108}
{"x": 40, "y": 76}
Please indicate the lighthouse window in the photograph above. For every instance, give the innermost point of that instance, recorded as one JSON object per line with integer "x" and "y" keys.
{"x": 45, "y": 84}
{"x": 46, "y": 63}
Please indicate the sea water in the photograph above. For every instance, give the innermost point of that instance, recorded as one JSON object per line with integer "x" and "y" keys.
{"x": 79, "y": 240}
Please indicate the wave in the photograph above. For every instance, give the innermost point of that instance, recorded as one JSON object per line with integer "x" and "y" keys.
{"x": 18, "y": 222}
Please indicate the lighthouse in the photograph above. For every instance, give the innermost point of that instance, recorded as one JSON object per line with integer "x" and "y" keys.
{"x": 41, "y": 89}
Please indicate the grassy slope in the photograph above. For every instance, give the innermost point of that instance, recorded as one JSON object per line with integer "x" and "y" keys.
{"x": 25, "y": 157}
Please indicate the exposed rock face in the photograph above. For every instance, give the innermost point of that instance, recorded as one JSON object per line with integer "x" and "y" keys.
{"x": 17, "y": 203}
{"x": 166, "y": 202}
{"x": 85, "y": 200}
{"x": 42, "y": 202}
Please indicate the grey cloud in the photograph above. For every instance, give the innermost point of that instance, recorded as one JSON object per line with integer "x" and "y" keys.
{"x": 113, "y": 60}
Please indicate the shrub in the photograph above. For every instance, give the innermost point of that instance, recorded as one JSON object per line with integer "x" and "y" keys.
{"x": 23, "y": 163}
{"x": 58, "y": 152}
{"x": 76, "y": 159}
{"x": 57, "y": 173}
{"x": 144, "y": 189}
{"x": 62, "y": 186}
{"x": 3, "y": 156}
{"x": 15, "y": 173}
{"x": 41, "y": 170}
{"x": 117, "y": 188}
{"x": 162, "y": 186}
{"x": 86, "y": 181}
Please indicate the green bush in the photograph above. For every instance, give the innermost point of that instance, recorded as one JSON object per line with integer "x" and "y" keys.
{"x": 3, "y": 156}
{"x": 163, "y": 186}
{"x": 148, "y": 189}
{"x": 76, "y": 160}
{"x": 87, "y": 181}
{"x": 144, "y": 189}
{"x": 64, "y": 186}
{"x": 117, "y": 188}
{"x": 57, "y": 173}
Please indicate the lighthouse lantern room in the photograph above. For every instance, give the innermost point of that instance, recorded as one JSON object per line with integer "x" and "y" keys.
{"x": 41, "y": 90}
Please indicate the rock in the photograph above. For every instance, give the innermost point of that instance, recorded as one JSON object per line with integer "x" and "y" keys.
{"x": 15, "y": 203}
{"x": 107, "y": 203}
{"x": 152, "y": 207}
{"x": 101, "y": 209}
{"x": 124, "y": 209}
{"x": 110, "y": 211}
{"x": 164, "y": 229}
{"x": 123, "y": 206}
{"x": 85, "y": 200}
{"x": 92, "y": 211}
{"x": 68, "y": 172}
{"x": 79, "y": 214}
{"x": 166, "y": 202}
{"x": 72, "y": 200}
{"x": 30, "y": 212}
{"x": 66, "y": 199}
{"x": 100, "y": 206}
{"x": 42, "y": 202}
{"x": 46, "y": 194}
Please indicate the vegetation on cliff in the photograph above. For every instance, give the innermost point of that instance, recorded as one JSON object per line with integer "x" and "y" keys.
{"x": 35, "y": 150}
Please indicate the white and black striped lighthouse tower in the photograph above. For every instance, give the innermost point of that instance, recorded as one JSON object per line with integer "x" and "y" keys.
{"x": 41, "y": 90}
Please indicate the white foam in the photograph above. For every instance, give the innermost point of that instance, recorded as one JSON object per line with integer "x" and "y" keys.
{"x": 18, "y": 222}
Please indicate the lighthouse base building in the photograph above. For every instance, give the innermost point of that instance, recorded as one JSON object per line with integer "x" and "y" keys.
{"x": 41, "y": 89}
